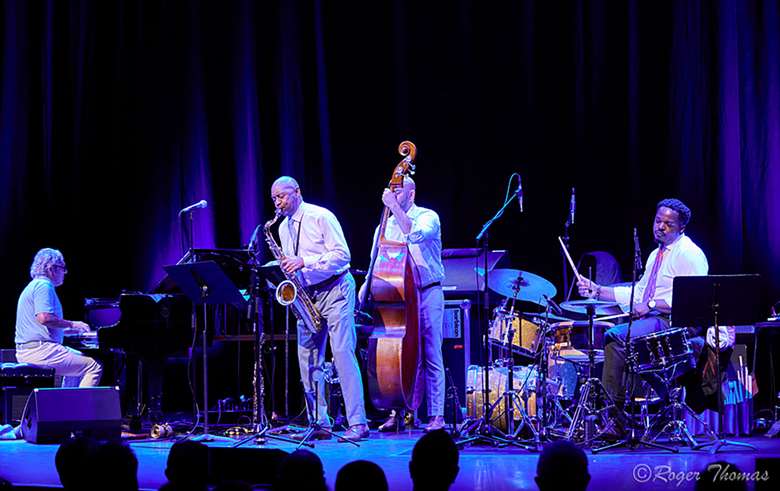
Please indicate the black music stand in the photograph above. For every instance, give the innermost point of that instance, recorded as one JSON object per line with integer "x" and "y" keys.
{"x": 714, "y": 301}
{"x": 205, "y": 283}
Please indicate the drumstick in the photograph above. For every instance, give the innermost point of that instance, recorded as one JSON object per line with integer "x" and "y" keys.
{"x": 610, "y": 317}
{"x": 565, "y": 251}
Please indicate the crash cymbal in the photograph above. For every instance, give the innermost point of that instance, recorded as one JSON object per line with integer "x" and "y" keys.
{"x": 581, "y": 307}
{"x": 521, "y": 285}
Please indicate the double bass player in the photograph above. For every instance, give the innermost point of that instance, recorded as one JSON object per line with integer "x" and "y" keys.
{"x": 420, "y": 229}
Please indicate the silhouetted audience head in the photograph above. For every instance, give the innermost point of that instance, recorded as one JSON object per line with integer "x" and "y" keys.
{"x": 721, "y": 476}
{"x": 434, "y": 463}
{"x": 562, "y": 465}
{"x": 360, "y": 475}
{"x": 115, "y": 467}
{"x": 70, "y": 460}
{"x": 301, "y": 471}
{"x": 187, "y": 467}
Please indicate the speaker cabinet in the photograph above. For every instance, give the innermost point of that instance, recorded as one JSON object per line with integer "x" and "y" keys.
{"x": 52, "y": 415}
{"x": 456, "y": 351}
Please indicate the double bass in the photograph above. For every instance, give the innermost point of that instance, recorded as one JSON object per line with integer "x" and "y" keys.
{"x": 393, "y": 298}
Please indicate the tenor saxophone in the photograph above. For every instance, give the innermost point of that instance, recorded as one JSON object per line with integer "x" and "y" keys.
{"x": 290, "y": 291}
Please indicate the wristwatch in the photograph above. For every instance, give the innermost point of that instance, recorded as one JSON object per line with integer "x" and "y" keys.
{"x": 651, "y": 304}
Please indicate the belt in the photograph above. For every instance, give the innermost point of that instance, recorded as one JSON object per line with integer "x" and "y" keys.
{"x": 431, "y": 285}
{"x": 326, "y": 283}
{"x": 32, "y": 344}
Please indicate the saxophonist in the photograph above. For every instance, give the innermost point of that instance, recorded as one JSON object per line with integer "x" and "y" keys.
{"x": 314, "y": 248}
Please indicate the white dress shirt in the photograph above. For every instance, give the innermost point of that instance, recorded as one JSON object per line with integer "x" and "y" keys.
{"x": 681, "y": 258}
{"x": 314, "y": 234}
{"x": 424, "y": 240}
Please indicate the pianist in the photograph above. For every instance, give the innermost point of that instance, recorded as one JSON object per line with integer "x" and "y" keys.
{"x": 40, "y": 325}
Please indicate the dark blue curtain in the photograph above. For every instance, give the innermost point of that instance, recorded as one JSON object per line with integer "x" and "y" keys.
{"x": 114, "y": 115}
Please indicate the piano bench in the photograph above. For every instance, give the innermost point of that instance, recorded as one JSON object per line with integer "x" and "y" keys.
{"x": 17, "y": 381}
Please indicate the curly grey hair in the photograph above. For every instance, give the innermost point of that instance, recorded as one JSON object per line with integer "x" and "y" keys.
{"x": 44, "y": 261}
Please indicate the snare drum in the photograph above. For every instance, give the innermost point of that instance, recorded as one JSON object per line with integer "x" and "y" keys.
{"x": 571, "y": 339}
{"x": 661, "y": 350}
{"x": 526, "y": 336}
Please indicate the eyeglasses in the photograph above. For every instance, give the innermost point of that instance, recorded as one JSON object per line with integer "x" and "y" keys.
{"x": 63, "y": 268}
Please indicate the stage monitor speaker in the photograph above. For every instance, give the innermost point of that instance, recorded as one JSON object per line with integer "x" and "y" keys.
{"x": 456, "y": 351}
{"x": 256, "y": 466}
{"x": 53, "y": 415}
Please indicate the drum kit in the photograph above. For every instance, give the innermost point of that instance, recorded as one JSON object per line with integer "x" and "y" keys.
{"x": 544, "y": 366}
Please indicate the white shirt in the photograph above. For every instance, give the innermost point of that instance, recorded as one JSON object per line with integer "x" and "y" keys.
{"x": 681, "y": 258}
{"x": 424, "y": 240}
{"x": 314, "y": 234}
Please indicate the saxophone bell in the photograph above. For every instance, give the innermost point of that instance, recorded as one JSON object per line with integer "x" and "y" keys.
{"x": 286, "y": 293}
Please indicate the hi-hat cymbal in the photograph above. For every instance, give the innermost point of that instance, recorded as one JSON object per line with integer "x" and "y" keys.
{"x": 521, "y": 285}
{"x": 601, "y": 307}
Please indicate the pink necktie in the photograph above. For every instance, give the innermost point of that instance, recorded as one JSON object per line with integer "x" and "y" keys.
{"x": 650, "y": 289}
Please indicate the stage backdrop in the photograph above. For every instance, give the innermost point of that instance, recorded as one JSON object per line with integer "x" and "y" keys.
{"x": 116, "y": 114}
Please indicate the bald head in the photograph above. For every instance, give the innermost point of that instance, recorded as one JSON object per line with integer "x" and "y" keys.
{"x": 286, "y": 181}
{"x": 286, "y": 195}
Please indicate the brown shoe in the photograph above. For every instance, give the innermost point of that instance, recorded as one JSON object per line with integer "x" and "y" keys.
{"x": 315, "y": 435}
{"x": 394, "y": 423}
{"x": 436, "y": 423}
{"x": 355, "y": 433}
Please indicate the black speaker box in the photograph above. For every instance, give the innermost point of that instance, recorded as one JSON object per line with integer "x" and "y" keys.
{"x": 52, "y": 415}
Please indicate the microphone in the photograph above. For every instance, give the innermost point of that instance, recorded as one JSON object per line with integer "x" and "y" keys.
{"x": 637, "y": 252}
{"x": 519, "y": 192}
{"x": 253, "y": 239}
{"x": 572, "y": 206}
{"x": 200, "y": 204}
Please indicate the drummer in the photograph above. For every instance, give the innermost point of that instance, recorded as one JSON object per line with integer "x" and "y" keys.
{"x": 676, "y": 255}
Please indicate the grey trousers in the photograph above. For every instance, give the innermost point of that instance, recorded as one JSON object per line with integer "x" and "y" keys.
{"x": 337, "y": 306}
{"x": 431, "y": 366}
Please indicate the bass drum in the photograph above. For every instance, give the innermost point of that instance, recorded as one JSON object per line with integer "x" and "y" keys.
{"x": 524, "y": 382}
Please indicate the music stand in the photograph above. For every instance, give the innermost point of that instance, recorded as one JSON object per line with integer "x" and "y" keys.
{"x": 205, "y": 284}
{"x": 714, "y": 301}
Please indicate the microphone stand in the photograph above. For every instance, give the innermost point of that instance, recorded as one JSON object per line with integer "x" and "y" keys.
{"x": 482, "y": 430}
{"x": 565, "y": 240}
{"x": 632, "y": 440}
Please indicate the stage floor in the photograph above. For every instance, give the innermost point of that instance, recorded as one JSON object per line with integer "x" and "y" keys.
{"x": 482, "y": 468}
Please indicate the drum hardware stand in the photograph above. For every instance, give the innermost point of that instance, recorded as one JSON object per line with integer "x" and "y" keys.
{"x": 510, "y": 397}
{"x": 676, "y": 410}
{"x": 632, "y": 440}
{"x": 260, "y": 424}
{"x": 482, "y": 430}
{"x": 590, "y": 392}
